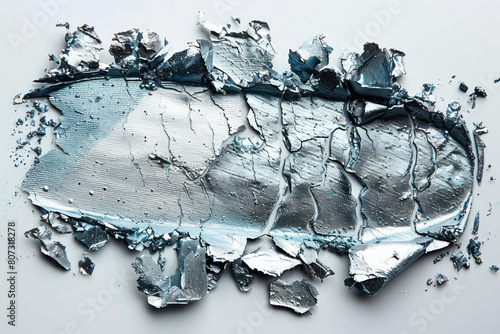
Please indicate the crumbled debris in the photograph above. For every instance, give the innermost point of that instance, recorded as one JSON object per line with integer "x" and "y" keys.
{"x": 494, "y": 268}
{"x": 473, "y": 250}
{"x": 187, "y": 284}
{"x": 429, "y": 281}
{"x": 459, "y": 260}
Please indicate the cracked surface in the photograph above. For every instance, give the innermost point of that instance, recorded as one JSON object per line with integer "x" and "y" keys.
{"x": 154, "y": 150}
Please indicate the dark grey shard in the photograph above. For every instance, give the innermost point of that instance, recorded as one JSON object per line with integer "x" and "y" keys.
{"x": 440, "y": 278}
{"x": 475, "y": 227}
{"x": 189, "y": 282}
{"x": 473, "y": 250}
{"x": 54, "y": 250}
{"x": 300, "y": 296}
{"x": 214, "y": 273}
{"x": 317, "y": 269}
{"x": 242, "y": 275}
{"x": 494, "y": 268}
{"x": 459, "y": 260}
{"x": 462, "y": 86}
{"x": 440, "y": 257}
{"x": 91, "y": 235}
{"x": 86, "y": 266}
{"x": 37, "y": 150}
{"x": 479, "y": 130}
{"x": 60, "y": 223}
{"x": 479, "y": 91}
{"x": 429, "y": 281}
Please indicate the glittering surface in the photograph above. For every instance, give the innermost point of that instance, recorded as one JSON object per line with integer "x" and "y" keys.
{"x": 157, "y": 149}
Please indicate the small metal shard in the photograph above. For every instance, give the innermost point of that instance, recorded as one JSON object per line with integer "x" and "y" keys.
{"x": 59, "y": 222}
{"x": 86, "y": 266}
{"x": 473, "y": 250}
{"x": 479, "y": 130}
{"x": 242, "y": 275}
{"x": 54, "y": 250}
{"x": 440, "y": 278}
{"x": 475, "y": 227}
{"x": 300, "y": 296}
{"x": 92, "y": 236}
{"x": 479, "y": 91}
{"x": 214, "y": 273}
{"x": 270, "y": 262}
{"x": 189, "y": 283}
{"x": 459, "y": 260}
{"x": 429, "y": 281}
{"x": 224, "y": 248}
{"x": 494, "y": 268}
{"x": 317, "y": 269}
{"x": 462, "y": 86}
{"x": 440, "y": 257}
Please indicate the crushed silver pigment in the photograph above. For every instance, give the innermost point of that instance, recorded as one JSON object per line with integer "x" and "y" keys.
{"x": 157, "y": 149}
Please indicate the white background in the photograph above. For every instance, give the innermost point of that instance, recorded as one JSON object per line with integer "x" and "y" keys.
{"x": 440, "y": 38}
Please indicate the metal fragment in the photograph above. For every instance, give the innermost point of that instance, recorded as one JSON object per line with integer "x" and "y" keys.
{"x": 187, "y": 284}
{"x": 459, "y": 260}
{"x": 440, "y": 257}
{"x": 440, "y": 279}
{"x": 300, "y": 296}
{"x": 86, "y": 266}
{"x": 91, "y": 235}
{"x": 270, "y": 262}
{"x": 473, "y": 250}
{"x": 54, "y": 250}
{"x": 242, "y": 275}
{"x": 59, "y": 223}
{"x": 475, "y": 227}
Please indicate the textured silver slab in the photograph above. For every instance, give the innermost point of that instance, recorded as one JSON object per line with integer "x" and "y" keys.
{"x": 156, "y": 149}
